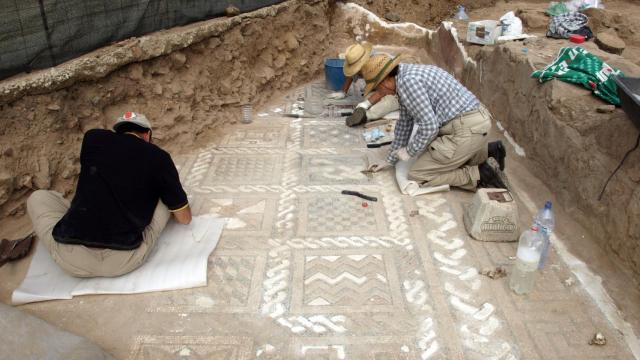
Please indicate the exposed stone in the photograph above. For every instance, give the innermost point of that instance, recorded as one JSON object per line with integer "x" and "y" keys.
{"x": 391, "y": 16}
{"x": 232, "y": 10}
{"x": 290, "y": 41}
{"x": 178, "y": 59}
{"x": 135, "y": 72}
{"x": 53, "y": 107}
{"x": 533, "y": 20}
{"x": 42, "y": 177}
{"x": 604, "y": 109}
{"x": 6, "y": 186}
{"x": 610, "y": 42}
{"x": 280, "y": 61}
{"x": 213, "y": 42}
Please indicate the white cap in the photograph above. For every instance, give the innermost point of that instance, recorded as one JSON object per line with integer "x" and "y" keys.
{"x": 131, "y": 117}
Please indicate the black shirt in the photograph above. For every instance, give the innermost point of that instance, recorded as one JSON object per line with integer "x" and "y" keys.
{"x": 121, "y": 179}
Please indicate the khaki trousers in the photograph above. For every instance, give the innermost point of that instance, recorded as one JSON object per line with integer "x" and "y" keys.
{"x": 452, "y": 158}
{"x": 386, "y": 105}
{"x": 46, "y": 208}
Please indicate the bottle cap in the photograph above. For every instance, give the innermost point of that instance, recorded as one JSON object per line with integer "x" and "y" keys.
{"x": 547, "y": 205}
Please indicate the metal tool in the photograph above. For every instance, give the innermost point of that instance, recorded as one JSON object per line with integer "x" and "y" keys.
{"x": 377, "y": 145}
{"x": 360, "y": 195}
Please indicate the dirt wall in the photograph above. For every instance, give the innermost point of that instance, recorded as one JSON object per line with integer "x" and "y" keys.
{"x": 571, "y": 137}
{"x": 187, "y": 81}
{"x": 422, "y": 12}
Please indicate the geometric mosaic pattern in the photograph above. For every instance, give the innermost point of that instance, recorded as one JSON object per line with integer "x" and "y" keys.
{"x": 304, "y": 272}
{"x": 340, "y": 215}
{"x": 359, "y": 281}
{"x": 334, "y": 169}
{"x": 244, "y": 169}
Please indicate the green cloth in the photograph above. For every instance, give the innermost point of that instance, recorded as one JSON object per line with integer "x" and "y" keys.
{"x": 556, "y": 9}
{"x": 577, "y": 65}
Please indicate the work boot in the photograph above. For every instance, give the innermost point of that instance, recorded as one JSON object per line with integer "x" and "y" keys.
{"x": 491, "y": 176}
{"x": 498, "y": 152}
{"x": 16, "y": 249}
{"x": 358, "y": 117}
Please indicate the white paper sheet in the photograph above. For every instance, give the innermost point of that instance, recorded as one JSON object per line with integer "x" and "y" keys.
{"x": 409, "y": 187}
{"x": 179, "y": 261}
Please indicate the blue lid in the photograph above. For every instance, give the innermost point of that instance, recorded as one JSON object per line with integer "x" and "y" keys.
{"x": 547, "y": 205}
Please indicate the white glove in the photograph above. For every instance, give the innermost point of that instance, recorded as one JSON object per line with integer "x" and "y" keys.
{"x": 339, "y": 95}
{"x": 379, "y": 166}
{"x": 402, "y": 154}
{"x": 365, "y": 105}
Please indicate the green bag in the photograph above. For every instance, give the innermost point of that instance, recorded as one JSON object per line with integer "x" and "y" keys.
{"x": 556, "y": 9}
{"x": 577, "y": 65}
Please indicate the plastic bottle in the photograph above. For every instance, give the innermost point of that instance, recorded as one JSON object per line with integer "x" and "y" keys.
{"x": 461, "y": 14}
{"x": 545, "y": 221}
{"x": 524, "y": 271}
{"x": 247, "y": 114}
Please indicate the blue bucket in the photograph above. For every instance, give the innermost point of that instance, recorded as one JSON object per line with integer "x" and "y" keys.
{"x": 334, "y": 73}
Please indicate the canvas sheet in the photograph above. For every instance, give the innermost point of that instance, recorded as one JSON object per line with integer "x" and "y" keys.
{"x": 179, "y": 261}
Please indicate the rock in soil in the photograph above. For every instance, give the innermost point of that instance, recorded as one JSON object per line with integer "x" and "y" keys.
{"x": 605, "y": 109}
{"x": 495, "y": 273}
{"x": 391, "y": 16}
{"x": 598, "y": 339}
{"x": 610, "y": 42}
{"x": 231, "y": 11}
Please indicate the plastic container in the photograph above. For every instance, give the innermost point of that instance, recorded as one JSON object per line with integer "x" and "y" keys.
{"x": 523, "y": 276}
{"x": 629, "y": 93}
{"x": 546, "y": 222}
{"x": 484, "y": 32}
{"x": 247, "y": 114}
{"x": 577, "y": 38}
{"x": 461, "y": 14}
{"x": 334, "y": 73}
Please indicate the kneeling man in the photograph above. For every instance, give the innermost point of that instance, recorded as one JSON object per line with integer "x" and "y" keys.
{"x": 450, "y": 139}
{"x": 127, "y": 190}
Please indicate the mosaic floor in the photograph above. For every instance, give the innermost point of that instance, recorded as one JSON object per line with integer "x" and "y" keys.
{"x": 304, "y": 272}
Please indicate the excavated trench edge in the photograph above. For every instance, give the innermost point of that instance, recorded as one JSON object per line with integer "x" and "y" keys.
{"x": 590, "y": 281}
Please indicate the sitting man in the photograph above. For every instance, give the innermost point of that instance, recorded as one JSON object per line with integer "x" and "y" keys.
{"x": 127, "y": 190}
{"x": 450, "y": 141}
{"x": 377, "y": 105}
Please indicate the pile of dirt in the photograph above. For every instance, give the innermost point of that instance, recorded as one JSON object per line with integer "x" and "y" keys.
{"x": 186, "y": 80}
{"x": 421, "y": 12}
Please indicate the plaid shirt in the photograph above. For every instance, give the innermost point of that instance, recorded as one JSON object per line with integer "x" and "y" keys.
{"x": 429, "y": 97}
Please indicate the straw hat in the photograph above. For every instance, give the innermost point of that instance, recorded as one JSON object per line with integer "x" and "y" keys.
{"x": 356, "y": 56}
{"x": 376, "y": 69}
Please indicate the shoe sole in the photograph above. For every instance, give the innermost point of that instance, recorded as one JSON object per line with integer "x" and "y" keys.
{"x": 358, "y": 117}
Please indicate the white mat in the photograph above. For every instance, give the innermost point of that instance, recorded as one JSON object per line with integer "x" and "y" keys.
{"x": 410, "y": 187}
{"x": 179, "y": 261}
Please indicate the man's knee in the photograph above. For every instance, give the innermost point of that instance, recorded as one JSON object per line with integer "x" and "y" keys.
{"x": 36, "y": 199}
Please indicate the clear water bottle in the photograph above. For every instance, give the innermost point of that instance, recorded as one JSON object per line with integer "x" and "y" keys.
{"x": 546, "y": 222}
{"x": 247, "y": 114}
{"x": 461, "y": 14}
{"x": 523, "y": 276}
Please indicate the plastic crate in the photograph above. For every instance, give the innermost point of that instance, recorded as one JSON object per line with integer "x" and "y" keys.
{"x": 629, "y": 93}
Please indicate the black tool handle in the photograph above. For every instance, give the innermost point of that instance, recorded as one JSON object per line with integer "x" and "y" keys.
{"x": 377, "y": 145}
{"x": 360, "y": 195}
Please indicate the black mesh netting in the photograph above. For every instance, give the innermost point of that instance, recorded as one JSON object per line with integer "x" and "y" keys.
{"x": 36, "y": 34}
